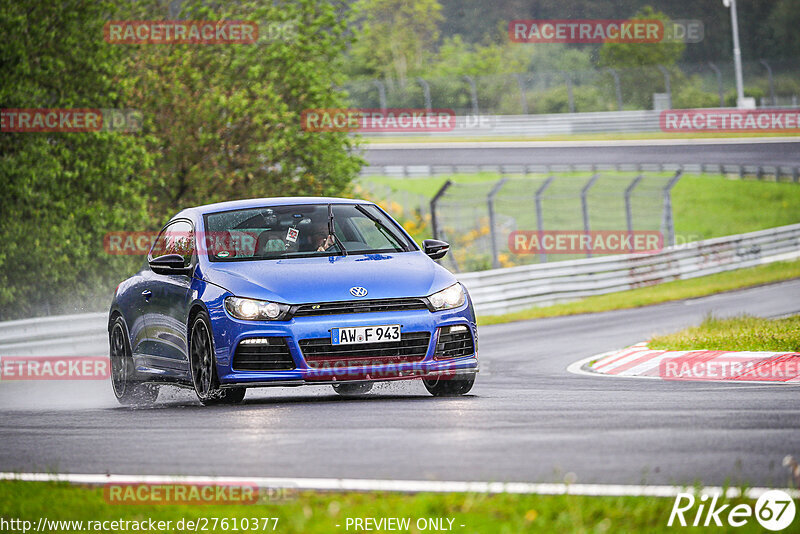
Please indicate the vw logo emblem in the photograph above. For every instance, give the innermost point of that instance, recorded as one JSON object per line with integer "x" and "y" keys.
{"x": 358, "y": 291}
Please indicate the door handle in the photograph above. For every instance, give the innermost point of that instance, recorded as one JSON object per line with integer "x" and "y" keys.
{"x": 147, "y": 294}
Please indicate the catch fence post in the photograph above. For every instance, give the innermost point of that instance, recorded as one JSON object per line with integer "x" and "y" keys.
{"x": 381, "y": 93}
{"x": 473, "y": 93}
{"x": 539, "y": 217}
{"x": 771, "y": 81}
{"x": 628, "y": 210}
{"x": 585, "y": 208}
{"x": 434, "y": 200}
{"x": 426, "y": 90}
{"x": 669, "y": 224}
{"x": 719, "y": 83}
{"x": 522, "y": 97}
{"x": 492, "y": 222}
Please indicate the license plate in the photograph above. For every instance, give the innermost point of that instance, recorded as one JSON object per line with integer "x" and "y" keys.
{"x": 365, "y": 334}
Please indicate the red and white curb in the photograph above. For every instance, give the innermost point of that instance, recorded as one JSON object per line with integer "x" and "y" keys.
{"x": 640, "y": 361}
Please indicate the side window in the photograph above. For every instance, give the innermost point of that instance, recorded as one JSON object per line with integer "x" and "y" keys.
{"x": 177, "y": 238}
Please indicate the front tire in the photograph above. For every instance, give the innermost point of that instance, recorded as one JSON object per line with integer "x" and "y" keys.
{"x": 449, "y": 387}
{"x": 204, "y": 366}
{"x": 127, "y": 390}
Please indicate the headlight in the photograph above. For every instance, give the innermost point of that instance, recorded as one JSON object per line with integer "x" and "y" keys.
{"x": 452, "y": 297}
{"x": 255, "y": 310}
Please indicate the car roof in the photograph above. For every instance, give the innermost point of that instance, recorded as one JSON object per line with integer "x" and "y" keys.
{"x": 260, "y": 202}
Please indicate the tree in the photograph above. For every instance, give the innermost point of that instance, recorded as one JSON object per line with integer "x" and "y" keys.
{"x": 63, "y": 191}
{"x": 395, "y": 37}
{"x": 219, "y": 122}
{"x": 639, "y": 62}
{"x": 632, "y": 55}
{"x": 784, "y": 21}
{"x": 226, "y": 117}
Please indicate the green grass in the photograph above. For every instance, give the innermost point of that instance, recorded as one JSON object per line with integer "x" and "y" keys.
{"x": 679, "y": 289}
{"x": 577, "y": 137}
{"x": 714, "y": 206}
{"x": 739, "y": 333}
{"x": 310, "y": 512}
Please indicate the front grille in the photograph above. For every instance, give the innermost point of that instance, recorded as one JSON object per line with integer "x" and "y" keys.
{"x": 263, "y": 354}
{"x": 454, "y": 342}
{"x": 358, "y": 306}
{"x": 412, "y": 347}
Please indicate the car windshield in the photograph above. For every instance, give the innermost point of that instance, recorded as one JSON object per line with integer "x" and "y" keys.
{"x": 275, "y": 232}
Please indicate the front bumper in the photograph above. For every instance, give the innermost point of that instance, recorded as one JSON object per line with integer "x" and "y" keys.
{"x": 229, "y": 332}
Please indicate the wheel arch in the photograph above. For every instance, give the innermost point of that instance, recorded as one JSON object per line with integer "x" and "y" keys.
{"x": 112, "y": 317}
{"x": 194, "y": 310}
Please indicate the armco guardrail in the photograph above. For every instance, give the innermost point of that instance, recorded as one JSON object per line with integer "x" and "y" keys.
{"x": 504, "y": 290}
{"x": 63, "y": 335}
{"x": 494, "y": 291}
{"x": 547, "y": 124}
{"x": 784, "y": 173}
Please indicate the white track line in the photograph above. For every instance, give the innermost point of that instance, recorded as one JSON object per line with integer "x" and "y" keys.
{"x": 405, "y": 486}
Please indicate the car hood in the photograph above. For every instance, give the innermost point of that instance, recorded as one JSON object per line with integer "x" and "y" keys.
{"x": 326, "y": 279}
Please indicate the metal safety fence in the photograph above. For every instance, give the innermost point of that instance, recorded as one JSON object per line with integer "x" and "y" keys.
{"x": 786, "y": 173}
{"x": 477, "y": 126}
{"x": 692, "y": 85}
{"x": 506, "y": 290}
{"x": 477, "y": 218}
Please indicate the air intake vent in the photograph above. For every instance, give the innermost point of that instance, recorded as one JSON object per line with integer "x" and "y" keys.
{"x": 454, "y": 342}
{"x": 263, "y": 354}
{"x": 320, "y": 353}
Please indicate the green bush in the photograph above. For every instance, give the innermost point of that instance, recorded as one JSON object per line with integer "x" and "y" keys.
{"x": 691, "y": 96}
{"x": 755, "y": 92}
{"x": 586, "y": 98}
{"x": 63, "y": 191}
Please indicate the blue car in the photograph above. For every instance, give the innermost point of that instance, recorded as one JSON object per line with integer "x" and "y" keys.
{"x": 289, "y": 292}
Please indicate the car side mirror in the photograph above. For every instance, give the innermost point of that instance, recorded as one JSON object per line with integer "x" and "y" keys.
{"x": 435, "y": 249}
{"x": 169, "y": 264}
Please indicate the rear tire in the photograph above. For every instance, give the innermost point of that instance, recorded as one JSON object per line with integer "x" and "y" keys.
{"x": 449, "y": 387}
{"x": 203, "y": 366}
{"x": 127, "y": 390}
{"x": 352, "y": 390}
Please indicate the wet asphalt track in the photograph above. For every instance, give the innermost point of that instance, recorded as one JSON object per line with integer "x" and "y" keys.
{"x": 589, "y": 153}
{"x": 527, "y": 418}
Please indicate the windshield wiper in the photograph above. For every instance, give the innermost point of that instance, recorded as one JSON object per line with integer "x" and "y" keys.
{"x": 332, "y": 230}
{"x": 381, "y": 228}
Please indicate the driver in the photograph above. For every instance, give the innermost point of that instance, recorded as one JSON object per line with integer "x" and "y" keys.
{"x": 321, "y": 240}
